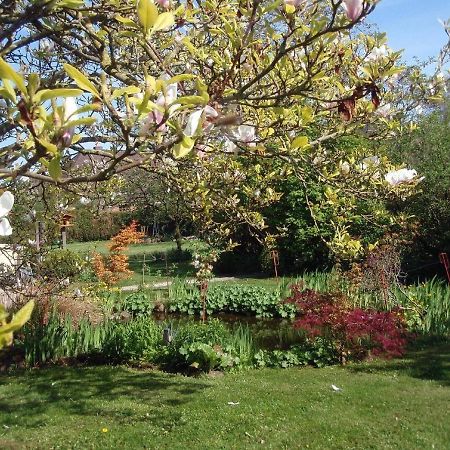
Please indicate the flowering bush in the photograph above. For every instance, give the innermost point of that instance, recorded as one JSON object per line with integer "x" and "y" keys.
{"x": 354, "y": 332}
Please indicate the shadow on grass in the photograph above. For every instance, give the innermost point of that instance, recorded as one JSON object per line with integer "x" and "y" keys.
{"x": 426, "y": 360}
{"x": 109, "y": 392}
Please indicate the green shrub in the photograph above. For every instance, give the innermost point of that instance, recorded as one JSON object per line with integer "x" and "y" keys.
{"x": 203, "y": 346}
{"x": 60, "y": 264}
{"x": 136, "y": 340}
{"x": 240, "y": 299}
{"x": 137, "y": 304}
{"x": 317, "y": 353}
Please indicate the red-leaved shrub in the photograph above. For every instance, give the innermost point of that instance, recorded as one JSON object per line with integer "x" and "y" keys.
{"x": 354, "y": 332}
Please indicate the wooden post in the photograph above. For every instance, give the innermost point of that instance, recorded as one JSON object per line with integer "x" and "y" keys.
{"x": 38, "y": 236}
{"x": 276, "y": 261}
{"x": 64, "y": 237}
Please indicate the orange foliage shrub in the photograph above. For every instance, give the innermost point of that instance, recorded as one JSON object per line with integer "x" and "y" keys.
{"x": 114, "y": 267}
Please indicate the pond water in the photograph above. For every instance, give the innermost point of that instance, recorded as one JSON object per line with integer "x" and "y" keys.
{"x": 267, "y": 334}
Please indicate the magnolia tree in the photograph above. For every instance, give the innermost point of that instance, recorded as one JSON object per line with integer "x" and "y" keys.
{"x": 204, "y": 93}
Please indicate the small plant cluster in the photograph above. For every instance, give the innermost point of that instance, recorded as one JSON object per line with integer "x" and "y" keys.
{"x": 115, "y": 267}
{"x": 240, "y": 299}
{"x": 137, "y": 304}
{"x": 354, "y": 332}
{"x": 317, "y": 353}
{"x": 60, "y": 264}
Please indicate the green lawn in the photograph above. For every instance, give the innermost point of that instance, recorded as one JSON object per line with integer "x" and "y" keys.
{"x": 135, "y": 249}
{"x": 399, "y": 404}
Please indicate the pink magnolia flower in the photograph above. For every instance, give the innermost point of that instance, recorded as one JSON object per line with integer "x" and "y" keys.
{"x": 353, "y": 8}
{"x": 163, "y": 3}
{"x": 164, "y": 100}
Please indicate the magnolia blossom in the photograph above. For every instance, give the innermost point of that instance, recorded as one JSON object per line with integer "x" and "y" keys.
{"x": 208, "y": 113}
{"x": 370, "y": 162}
{"x": 245, "y": 134}
{"x": 396, "y": 177}
{"x": 6, "y": 204}
{"x": 164, "y": 100}
{"x": 70, "y": 107}
{"x": 163, "y": 3}
{"x": 353, "y": 8}
{"x": 377, "y": 53}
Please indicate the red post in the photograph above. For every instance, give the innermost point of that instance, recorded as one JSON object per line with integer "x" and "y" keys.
{"x": 443, "y": 258}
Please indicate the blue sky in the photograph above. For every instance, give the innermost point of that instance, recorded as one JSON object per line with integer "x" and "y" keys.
{"x": 413, "y": 25}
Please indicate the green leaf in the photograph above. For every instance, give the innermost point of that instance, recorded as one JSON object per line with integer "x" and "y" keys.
{"x": 81, "y": 80}
{"x": 18, "y": 321}
{"x": 48, "y": 94}
{"x": 8, "y": 73}
{"x": 51, "y": 148}
{"x": 54, "y": 168}
{"x": 125, "y": 21}
{"x": 147, "y": 13}
{"x": 299, "y": 142}
{"x": 82, "y": 121}
{"x": 129, "y": 90}
{"x": 163, "y": 22}
{"x": 8, "y": 91}
{"x": 72, "y": 4}
{"x": 191, "y": 100}
{"x": 184, "y": 147}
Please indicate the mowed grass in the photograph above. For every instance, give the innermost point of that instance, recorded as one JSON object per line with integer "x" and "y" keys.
{"x": 398, "y": 404}
{"x": 135, "y": 249}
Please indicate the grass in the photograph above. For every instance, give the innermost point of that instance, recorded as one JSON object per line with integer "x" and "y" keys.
{"x": 396, "y": 404}
{"x": 135, "y": 249}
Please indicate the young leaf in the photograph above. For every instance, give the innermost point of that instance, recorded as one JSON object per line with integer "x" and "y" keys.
{"x": 129, "y": 90}
{"x": 82, "y": 121}
{"x": 51, "y": 148}
{"x": 184, "y": 147}
{"x": 8, "y": 91}
{"x": 299, "y": 142}
{"x": 163, "y": 22}
{"x": 54, "y": 168}
{"x": 8, "y": 73}
{"x": 48, "y": 94}
{"x": 81, "y": 80}
{"x": 147, "y": 13}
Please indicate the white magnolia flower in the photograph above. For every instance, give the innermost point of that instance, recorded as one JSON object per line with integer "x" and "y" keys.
{"x": 70, "y": 107}
{"x": 377, "y": 53}
{"x": 208, "y": 113}
{"x": 243, "y": 134}
{"x": 396, "y": 177}
{"x": 370, "y": 162}
{"x": 345, "y": 168}
{"x": 6, "y": 204}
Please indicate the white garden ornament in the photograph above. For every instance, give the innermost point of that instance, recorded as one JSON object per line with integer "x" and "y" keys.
{"x": 6, "y": 204}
